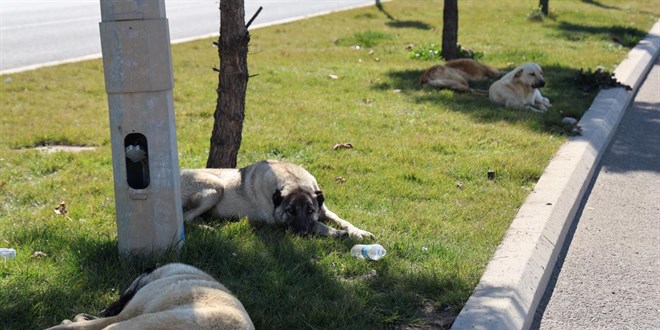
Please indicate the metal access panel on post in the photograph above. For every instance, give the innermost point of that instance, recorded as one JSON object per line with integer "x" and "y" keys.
{"x": 137, "y": 64}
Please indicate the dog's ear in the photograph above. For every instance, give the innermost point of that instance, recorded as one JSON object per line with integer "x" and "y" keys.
{"x": 319, "y": 197}
{"x": 277, "y": 198}
{"x": 518, "y": 73}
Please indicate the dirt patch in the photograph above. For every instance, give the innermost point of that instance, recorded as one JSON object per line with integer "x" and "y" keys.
{"x": 63, "y": 148}
{"x": 433, "y": 319}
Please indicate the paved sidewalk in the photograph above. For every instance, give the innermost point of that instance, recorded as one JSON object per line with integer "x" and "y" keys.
{"x": 608, "y": 274}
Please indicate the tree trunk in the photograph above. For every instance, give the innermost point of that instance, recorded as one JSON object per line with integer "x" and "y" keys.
{"x": 450, "y": 30}
{"x": 232, "y": 84}
{"x": 544, "y": 6}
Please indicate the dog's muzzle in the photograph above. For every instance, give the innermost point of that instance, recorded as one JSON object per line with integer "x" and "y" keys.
{"x": 539, "y": 84}
{"x": 302, "y": 225}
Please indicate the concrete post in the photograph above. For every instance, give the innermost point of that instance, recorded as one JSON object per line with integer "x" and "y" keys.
{"x": 137, "y": 64}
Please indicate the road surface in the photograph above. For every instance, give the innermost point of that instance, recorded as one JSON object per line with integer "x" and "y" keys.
{"x": 607, "y": 275}
{"x": 42, "y": 32}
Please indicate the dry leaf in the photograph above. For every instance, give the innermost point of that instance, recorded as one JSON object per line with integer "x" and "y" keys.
{"x": 38, "y": 255}
{"x": 343, "y": 146}
{"x": 340, "y": 180}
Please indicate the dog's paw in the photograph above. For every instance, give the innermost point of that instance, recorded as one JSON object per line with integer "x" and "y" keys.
{"x": 537, "y": 107}
{"x": 546, "y": 103}
{"x": 359, "y": 233}
{"x": 338, "y": 233}
{"x": 84, "y": 317}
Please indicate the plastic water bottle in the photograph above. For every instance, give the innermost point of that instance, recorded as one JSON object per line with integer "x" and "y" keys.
{"x": 369, "y": 252}
{"x": 7, "y": 253}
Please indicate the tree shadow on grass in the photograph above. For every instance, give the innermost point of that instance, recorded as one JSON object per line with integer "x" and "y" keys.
{"x": 600, "y": 5}
{"x": 567, "y": 99}
{"x": 409, "y": 25}
{"x": 604, "y": 6}
{"x": 625, "y": 36}
{"x": 283, "y": 280}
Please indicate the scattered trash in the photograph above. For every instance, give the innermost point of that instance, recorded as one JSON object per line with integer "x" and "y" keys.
{"x": 569, "y": 120}
{"x": 491, "y": 175}
{"x": 342, "y": 146}
{"x": 340, "y": 180}
{"x": 368, "y": 251}
{"x": 459, "y": 185}
{"x": 371, "y": 52}
{"x": 207, "y": 227}
{"x": 396, "y": 90}
{"x": 61, "y": 209}
{"x": 7, "y": 253}
{"x": 425, "y": 249}
{"x": 135, "y": 153}
{"x": 333, "y": 77}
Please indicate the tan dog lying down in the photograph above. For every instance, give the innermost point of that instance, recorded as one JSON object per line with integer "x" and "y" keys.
{"x": 520, "y": 89}
{"x": 456, "y": 74}
{"x": 174, "y": 296}
{"x": 270, "y": 192}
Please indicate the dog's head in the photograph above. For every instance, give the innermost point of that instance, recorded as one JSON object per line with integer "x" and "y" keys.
{"x": 148, "y": 276}
{"x": 116, "y": 307}
{"x": 298, "y": 209}
{"x": 529, "y": 74}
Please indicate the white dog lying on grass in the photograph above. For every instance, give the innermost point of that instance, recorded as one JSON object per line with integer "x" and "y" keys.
{"x": 174, "y": 296}
{"x": 520, "y": 89}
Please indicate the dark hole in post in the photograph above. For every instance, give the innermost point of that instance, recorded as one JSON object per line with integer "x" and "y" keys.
{"x": 137, "y": 160}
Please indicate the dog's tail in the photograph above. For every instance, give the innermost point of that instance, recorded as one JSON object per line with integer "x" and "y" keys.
{"x": 482, "y": 92}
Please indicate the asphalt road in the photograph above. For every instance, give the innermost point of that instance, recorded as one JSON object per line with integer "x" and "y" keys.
{"x": 608, "y": 273}
{"x": 37, "y": 32}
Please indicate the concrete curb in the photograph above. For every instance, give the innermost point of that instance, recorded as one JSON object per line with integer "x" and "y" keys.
{"x": 517, "y": 276}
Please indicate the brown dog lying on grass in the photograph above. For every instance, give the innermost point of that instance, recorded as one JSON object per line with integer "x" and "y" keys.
{"x": 456, "y": 74}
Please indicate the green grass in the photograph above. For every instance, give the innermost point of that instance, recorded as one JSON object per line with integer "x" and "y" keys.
{"x": 412, "y": 147}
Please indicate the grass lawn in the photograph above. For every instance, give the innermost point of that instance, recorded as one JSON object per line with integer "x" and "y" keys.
{"x": 413, "y": 149}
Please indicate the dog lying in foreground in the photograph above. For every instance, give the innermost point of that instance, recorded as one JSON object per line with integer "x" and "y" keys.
{"x": 271, "y": 192}
{"x": 520, "y": 89}
{"x": 456, "y": 74}
{"x": 174, "y": 296}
